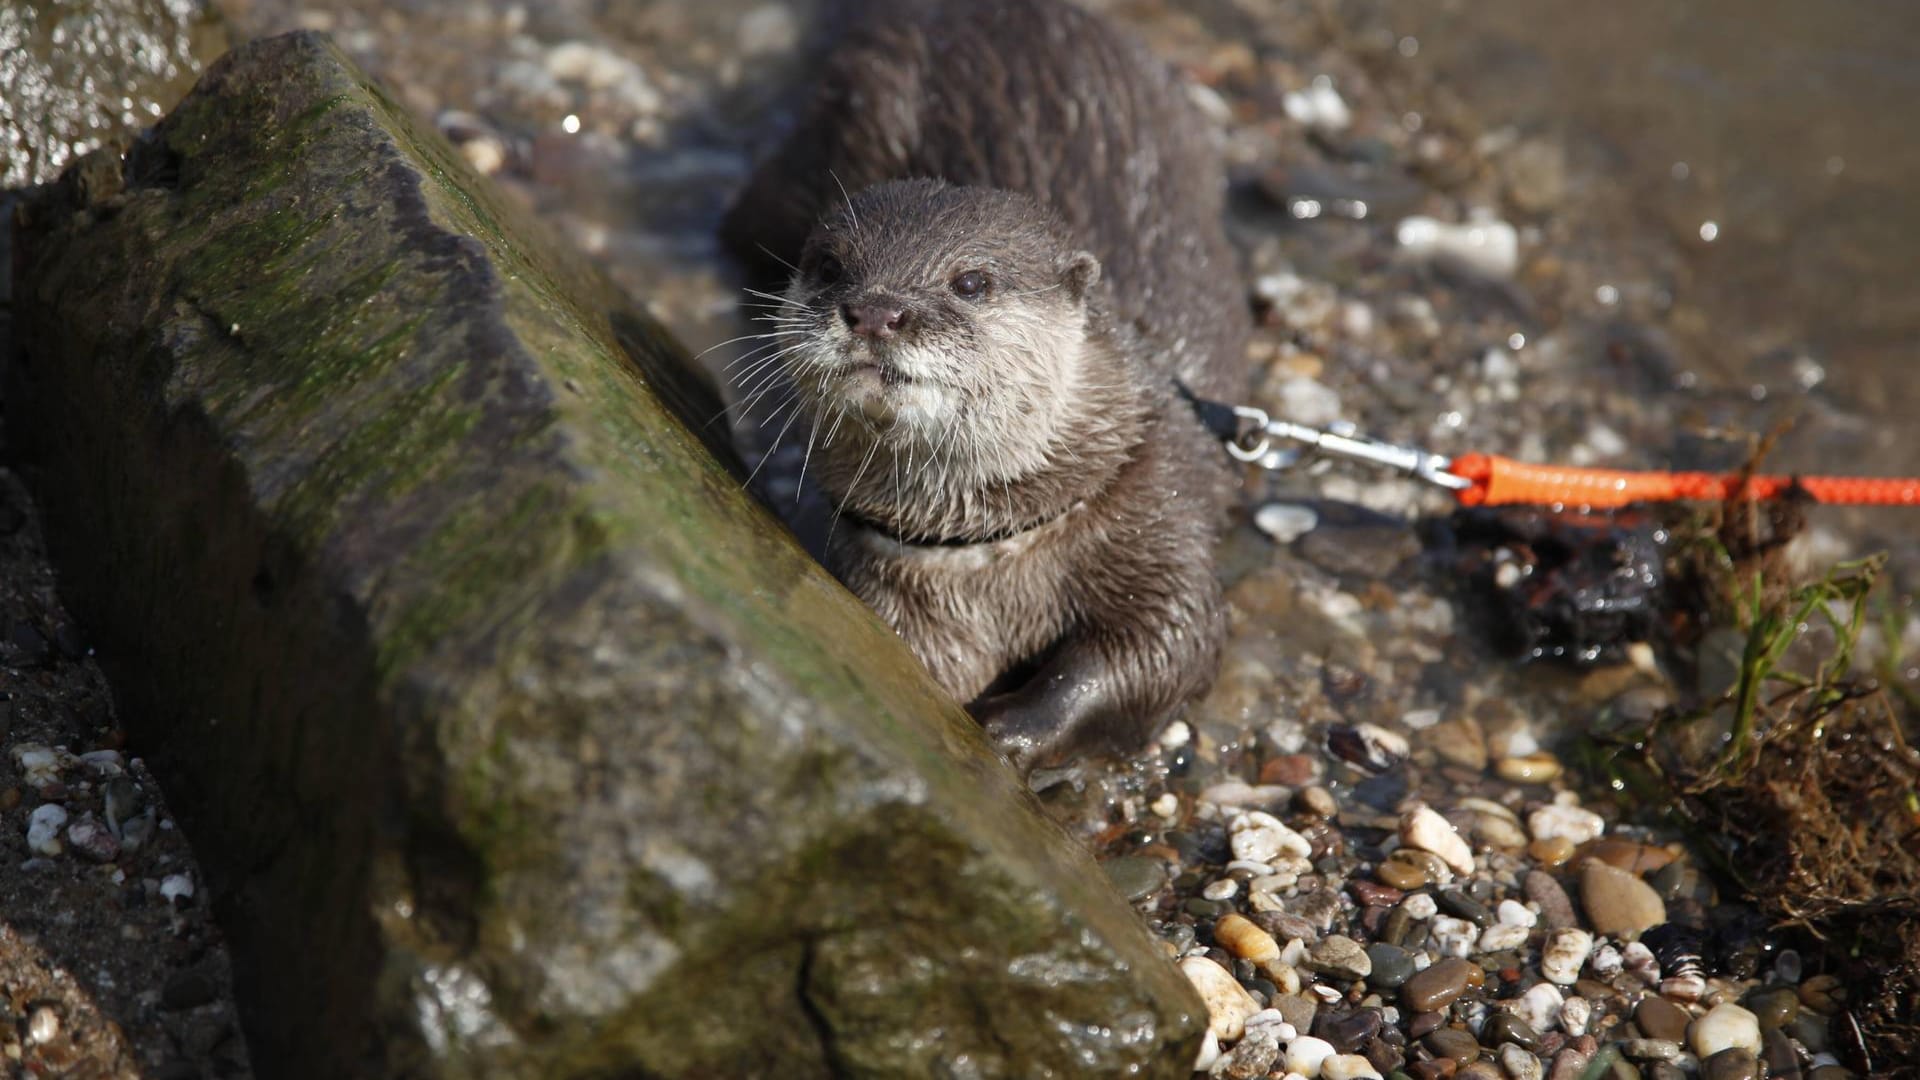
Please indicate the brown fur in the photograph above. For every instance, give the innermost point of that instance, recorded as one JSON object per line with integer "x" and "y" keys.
{"x": 1030, "y": 504}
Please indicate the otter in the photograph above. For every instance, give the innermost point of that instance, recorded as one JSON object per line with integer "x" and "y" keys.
{"x": 1004, "y": 223}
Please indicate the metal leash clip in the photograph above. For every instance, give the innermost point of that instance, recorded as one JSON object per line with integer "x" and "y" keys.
{"x": 1256, "y": 445}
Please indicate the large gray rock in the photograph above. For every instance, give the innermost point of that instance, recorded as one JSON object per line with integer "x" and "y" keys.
{"x": 74, "y": 74}
{"x": 517, "y": 742}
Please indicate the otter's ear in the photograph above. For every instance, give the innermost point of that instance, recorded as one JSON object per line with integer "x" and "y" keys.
{"x": 1079, "y": 272}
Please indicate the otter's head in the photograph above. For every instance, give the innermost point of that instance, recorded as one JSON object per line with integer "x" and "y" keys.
{"x": 944, "y": 316}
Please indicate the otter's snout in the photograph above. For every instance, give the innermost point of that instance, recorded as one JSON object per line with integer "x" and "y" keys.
{"x": 874, "y": 317}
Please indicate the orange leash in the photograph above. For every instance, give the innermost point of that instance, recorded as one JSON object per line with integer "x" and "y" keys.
{"x": 1498, "y": 481}
{"x": 1488, "y": 480}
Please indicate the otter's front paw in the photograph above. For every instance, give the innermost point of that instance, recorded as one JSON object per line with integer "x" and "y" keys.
{"x": 1023, "y": 731}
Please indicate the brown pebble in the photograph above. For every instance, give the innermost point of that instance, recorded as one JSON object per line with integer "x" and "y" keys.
{"x": 1659, "y": 1018}
{"x": 1245, "y": 940}
{"x": 1556, "y": 909}
{"x": 1617, "y": 903}
{"x": 1453, "y": 1044}
{"x": 1537, "y": 768}
{"x": 1734, "y": 1063}
{"x": 1425, "y": 1023}
{"x": 1570, "y": 1064}
{"x": 1441, "y": 985}
{"x": 1371, "y": 894}
{"x": 1481, "y": 1070}
{"x": 1290, "y": 770}
{"x": 10, "y": 798}
{"x": 1627, "y": 855}
{"x": 1317, "y": 801}
{"x": 1404, "y": 876}
{"x": 1822, "y": 993}
{"x": 1437, "y": 1069}
{"x": 1552, "y": 851}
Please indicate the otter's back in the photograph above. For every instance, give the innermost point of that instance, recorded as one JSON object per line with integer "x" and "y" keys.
{"x": 1039, "y": 97}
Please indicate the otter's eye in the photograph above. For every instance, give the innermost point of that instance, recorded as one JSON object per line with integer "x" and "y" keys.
{"x": 971, "y": 285}
{"x": 828, "y": 270}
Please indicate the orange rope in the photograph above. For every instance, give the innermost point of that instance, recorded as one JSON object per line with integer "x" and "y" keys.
{"x": 1499, "y": 481}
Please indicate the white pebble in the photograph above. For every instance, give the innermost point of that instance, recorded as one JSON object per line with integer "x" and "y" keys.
{"x": 1223, "y": 889}
{"x": 1285, "y": 522}
{"x": 1176, "y": 735}
{"x": 1167, "y": 805}
{"x": 1574, "y": 1015}
{"x": 1454, "y": 937}
{"x": 1261, "y": 837}
{"x": 1725, "y": 1026}
{"x": 1638, "y": 961}
{"x": 1501, "y": 936}
{"x": 1539, "y": 1006}
{"x": 39, "y": 765}
{"x": 1564, "y": 954}
{"x": 44, "y": 1025}
{"x": 1228, "y": 1003}
{"x": 1348, "y": 1067}
{"x": 43, "y": 829}
{"x": 1209, "y": 1052}
{"x": 1515, "y": 913}
{"x": 1318, "y": 106}
{"x": 1607, "y": 962}
{"x": 176, "y": 887}
{"x": 1306, "y": 1054}
{"x": 1420, "y": 906}
{"x": 1422, "y": 827}
{"x": 1518, "y": 1063}
{"x": 1488, "y": 248}
{"x": 1574, "y": 823}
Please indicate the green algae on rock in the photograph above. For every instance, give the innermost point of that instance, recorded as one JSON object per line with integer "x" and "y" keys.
{"x": 516, "y": 740}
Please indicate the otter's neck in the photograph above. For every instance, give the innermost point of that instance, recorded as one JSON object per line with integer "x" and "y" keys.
{"x": 960, "y": 487}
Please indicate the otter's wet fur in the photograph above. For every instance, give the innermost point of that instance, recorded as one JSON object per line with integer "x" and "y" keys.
{"x": 1006, "y": 219}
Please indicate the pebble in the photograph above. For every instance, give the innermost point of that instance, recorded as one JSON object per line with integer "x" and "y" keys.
{"x": 1519, "y": 1064}
{"x": 1400, "y": 875}
{"x": 1420, "y": 906}
{"x": 1348, "y": 1067}
{"x": 1228, "y": 1003}
{"x": 1489, "y": 248}
{"x": 1453, "y": 1044}
{"x": 1508, "y": 1028}
{"x": 1514, "y": 913}
{"x": 1454, "y": 937}
{"x": 1556, "y": 910}
{"x": 1209, "y": 1052}
{"x": 1392, "y": 965}
{"x": 1460, "y": 742}
{"x": 1253, "y": 1057}
{"x": 1775, "y": 1008}
{"x": 1341, "y": 957}
{"x": 1736, "y": 1063}
{"x": 1617, "y": 903}
{"x": 1441, "y": 985}
{"x": 1503, "y": 936}
{"x": 176, "y": 887}
{"x": 1136, "y": 877}
{"x": 1651, "y": 1049}
{"x": 1575, "y": 1014}
{"x": 91, "y": 838}
{"x": 1540, "y": 1006}
{"x": 1537, "y": 768}
{"x": 1564, "y": 954}
{"x": 1725, "y": 1025}
{"x": 1422, "y": 827}
{"x": 1223, "y": 889}
{"x": 1245, "y": 939}
{"x": 1350, "y": 1032}
{"x": 1574, "y": 824}
{"x": 1306, "y": 1054}
{"x": 1551, "y": 852}
{"x": 43, "y": 828}
{"x": 1457, "y": 902}
{"x": 1261, "y": 837}
{"x": 1285, "y": 522}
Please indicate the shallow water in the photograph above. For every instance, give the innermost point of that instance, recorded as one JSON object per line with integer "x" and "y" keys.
{"x": 1769, "y": 145}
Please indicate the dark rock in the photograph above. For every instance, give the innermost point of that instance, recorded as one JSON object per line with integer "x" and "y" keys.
{"x": 1505, "y": 1027}
{"x": 541, "y": 750}
{"x": 1556, "y": 908}
{"x": 1348, "y": 1032}
{"x": 186, "y": 990}
{"x": 1659, "y": 1018}
{"x": 1458, "y": 903}
{"x": 1392, "y": 965}
{"x": 1734, "y": 1063}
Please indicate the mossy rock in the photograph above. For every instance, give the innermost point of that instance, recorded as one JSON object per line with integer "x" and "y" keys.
{"x": 515, "y": 739}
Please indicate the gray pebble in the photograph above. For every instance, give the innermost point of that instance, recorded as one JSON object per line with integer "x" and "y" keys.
{"x": 1136, "y": 877}
{"x": 1556, "y": 908}
{"x": 1392, "y": 965}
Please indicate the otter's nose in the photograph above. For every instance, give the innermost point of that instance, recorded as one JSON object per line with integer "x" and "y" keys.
{"x": 874, "y": 318}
